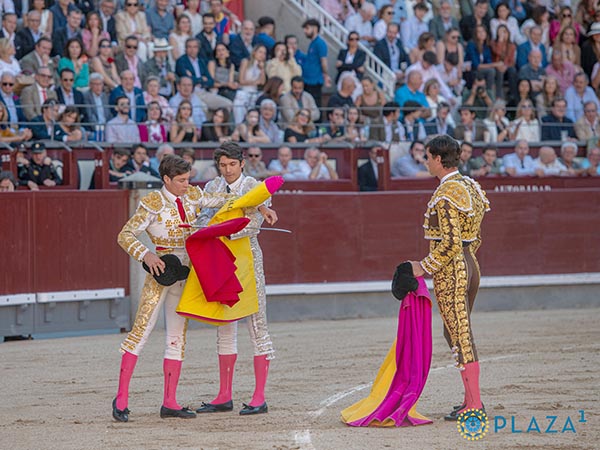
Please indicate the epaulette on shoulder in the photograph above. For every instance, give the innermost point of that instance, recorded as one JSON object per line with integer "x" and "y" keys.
{"x": 153, "y": 202}
{"x": 194, "y": 194}
{"x": 454, "y": 192}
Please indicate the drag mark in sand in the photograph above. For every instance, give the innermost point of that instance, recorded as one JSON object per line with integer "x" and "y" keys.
{"x": 336, "y": 398}
{"x": 302, "y": 439}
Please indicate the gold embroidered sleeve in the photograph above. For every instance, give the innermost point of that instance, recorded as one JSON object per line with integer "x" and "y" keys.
{"x": 213, "y": 199}
{"x": 133, "y": 228}
{"x": 451, "y": 243}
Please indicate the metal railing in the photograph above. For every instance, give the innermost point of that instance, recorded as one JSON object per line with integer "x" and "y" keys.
{"x": 376, "y": 69}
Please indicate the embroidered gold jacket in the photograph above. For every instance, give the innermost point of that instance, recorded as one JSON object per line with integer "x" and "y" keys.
{"x": 454, "y": 215}
{"x": 158, "y": 216}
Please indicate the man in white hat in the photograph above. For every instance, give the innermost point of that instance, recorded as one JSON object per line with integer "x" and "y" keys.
{"x": 160, "y": 67}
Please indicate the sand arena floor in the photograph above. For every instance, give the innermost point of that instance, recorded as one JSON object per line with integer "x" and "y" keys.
{"x": 57, "y": 393}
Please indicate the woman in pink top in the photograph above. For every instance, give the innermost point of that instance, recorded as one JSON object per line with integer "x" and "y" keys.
{"x": 92, "y": 34}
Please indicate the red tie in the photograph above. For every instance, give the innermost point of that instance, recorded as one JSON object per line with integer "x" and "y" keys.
{"x": 181, "y": 210}
{"x": 44, "y": 97}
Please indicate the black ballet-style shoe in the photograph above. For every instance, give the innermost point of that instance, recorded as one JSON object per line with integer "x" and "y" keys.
{"x": 453, "y": 416}
{"x": 248, "y": 410}
{"x": 183, "y": 413}
{"x": 457, "y": 407}
{"x": 215, "y": 407}
{"x": 119, "y": 415}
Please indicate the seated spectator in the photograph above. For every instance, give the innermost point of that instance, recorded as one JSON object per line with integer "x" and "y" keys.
{"x": 46, "y": 19}
{"x": 547, "y": 164}
{"x": 96, "y": 99}
{"x": 451, "y": 74}
{"x": 343, "y": 97}
{"x": 497, "y": 123}
{"x": 249, "y": 130}
{"x": 505, "y": 51}
{"x": 354, "y": 130}
{"x": 131, "y": 21}
{"x": 7, "y": 181}
{"x": 160, "y": 19}
{"x": 272, "y": 90}
{"x": 412, "y": 122}
{"x": 217, "y": 130}
{"x": 42, "y": 126}
{"x": 180, "y": 35}
{"x": 208, "y": 37}
{"x": 67, "y": 129}
{"x": 118, "y": 166}
{"x": 193, "y": 14}
{"x": 284, "y": 165}
{"x": 588, "y": 125}
{"x": 426, "y": 43}
{"x": 159, "y": 66}
{"x": 391, "y": 51}
{"x": 464, "y": 159}
{"x": 33, "y": 96}
{"x": 540, "y": 17}
{"x": 8, "y": 132}
{"x": 567, "y": 45}
{"x": 75, "y": 59}
{"x": 352, "y": 58}
{"x": 533, "y": 71}
{"x": 577, "y": 95}
{"x": 140, "y": 162}
{"x": 449, "y": 44}
{"x": 283, "y": 66}
{"x": 427, "y": 68}
{"x": 255, "y": 167}
{"x": 488, "y": 164}
{"x": 183, "y": 128}
{"x": 442, "y": 25}
{"x": 335, "y": 126}
{"x": 371, "y": 101}
{"x": 185, "y": 91}
{"x": 39, "y": 170}
{"x": 411, "y": 90}
{"x": 361, "y": 23}
{"x": 223, "y": 72}
{"x": 104, "y": 64}
{"x": 479, "y": 54}
{"x": 27, "y": 36}
{"x": 385, "y": 16}
{"x": 10, "y": 99}
{"x": 591, "y": 164}
{"x": 563, "y": 70}
{"x": 92, "y": 34}
{"x": 39, "y": 57}
{"x": 291, "y": 102}
{"x": 519, "y": 163}
{"x": 70, "y": 96}
{"x": 152, "y": 94}
{"x": 555, "y": 126}
{"x": 266, "y": 32}
{"x": 8, "y": 63}
{"x": 412, "y": 164}
{"x": 154, "y": 129}
{"x": 189, "y": 155}
{"x": 504, "y": 18}
{"x": 121, "y": 128}
{"x": 550, "y": 92}
{"x": 315, "y": 166}
{"x": 534, "y": 42}
{"x": 60, "y": 11}
{"x": 477, "y": 16}
{"x": 128, "y": 59}
{"x": 127, "y": 89}
{"x": 470, "y": 129}
{"x": 563, "y": 20}
{"x": 524, "y": 92}
{"x": 241, "y": 42}
{"x": 440, "y": 124}
{"x": 415, "y": 25}
{"x": 390, "y": 129}
{"x": 368, "y": 173}
{"x": 223, "y": 20}
{"x": 568, "y": 153}
{"x": 162, "y": 151}
{"x": 525, "y": 126}
{"x": 71, "y": 30}
{"x": 301, "y": 129}
{"x": 252, "y": 74}
{"x": 268, "y": 110}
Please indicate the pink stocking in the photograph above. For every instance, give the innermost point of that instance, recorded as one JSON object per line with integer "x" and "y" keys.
{"x": 172, "y": 370}
{"x": 226, "y": 366}
{"x": 470, "y": 377}
{"x": 261, "y": 371}
{"x": 128, "y": 361}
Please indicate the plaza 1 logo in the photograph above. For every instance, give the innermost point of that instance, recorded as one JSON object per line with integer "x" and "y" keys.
{"x": 546, "y": 424}
{"x": 473, "y": 424}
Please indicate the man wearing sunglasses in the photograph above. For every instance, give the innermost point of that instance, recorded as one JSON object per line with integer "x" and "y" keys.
{"x": 10, "y": 99}
{"x": 128, "y": 60}
{"x": 33, "y": 96}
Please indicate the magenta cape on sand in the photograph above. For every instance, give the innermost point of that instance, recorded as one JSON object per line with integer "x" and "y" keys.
{"x": 402, "y": 376}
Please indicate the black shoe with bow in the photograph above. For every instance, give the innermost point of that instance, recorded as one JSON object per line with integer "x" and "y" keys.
{"x": 248, "y": 410}
{"x": 215, "y": 407}
{"x": 183, "y": 413}
{"x": 453, "y": 416}
{"x": 120, "y": 415}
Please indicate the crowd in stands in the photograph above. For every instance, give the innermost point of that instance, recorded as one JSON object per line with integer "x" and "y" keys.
{"x": 157, "y": 72}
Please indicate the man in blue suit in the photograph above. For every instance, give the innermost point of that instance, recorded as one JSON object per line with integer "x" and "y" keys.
{"x": 10, "y": 99}
{"x": 535, "y": 41}
{"x": 137, "y": 110}
{"x": 192, "y": 66}
{"x": 68, "y": 95}
{"x": 390, "y": 50}
{"x": 241, "y": 45}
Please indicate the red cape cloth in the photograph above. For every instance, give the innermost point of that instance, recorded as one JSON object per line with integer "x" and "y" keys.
{"x": 214, "y": 263}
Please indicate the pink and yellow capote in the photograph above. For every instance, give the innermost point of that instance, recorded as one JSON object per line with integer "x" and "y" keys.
{"x": 403, "y": 374}
{"x": 221, "y": 286}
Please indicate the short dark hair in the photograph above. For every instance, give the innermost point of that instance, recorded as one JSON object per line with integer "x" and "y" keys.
{"x": 67, "y": 70}
{"x": 173, "y": 165}
{"x": 121, "y": 151}
{"x": 555, "y": 100}
{"x": 298, "y": 79}
{"x": 390, "y": 108}
{"x": 447, "y": 148}
{"x": 312, "y": 23}
{"x": 430, "y": 58}
{"x": 43, "y": 39}
{"x": 265, "y": 20}
{"x": 6, "y": 175}
{"x": 208, "y": 15}
{"x": 492, "y": 148}
{"x": 136, "y": 146}
{"x": 229, "y": 149}
{"x": 189, "y": 152}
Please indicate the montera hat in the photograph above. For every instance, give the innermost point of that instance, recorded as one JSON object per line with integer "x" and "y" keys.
{"x": 404, "y": 281}
{"x": 174, "y": 271}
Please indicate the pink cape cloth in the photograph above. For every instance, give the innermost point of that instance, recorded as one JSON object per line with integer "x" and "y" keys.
{"x": 214, "y": 263}
{"x": 412, "y": 363}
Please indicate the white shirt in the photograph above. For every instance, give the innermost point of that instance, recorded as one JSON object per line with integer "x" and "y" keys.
{"x": 305, "y": 170}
